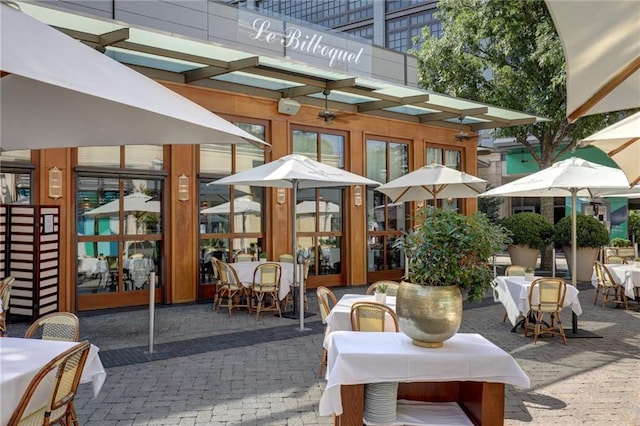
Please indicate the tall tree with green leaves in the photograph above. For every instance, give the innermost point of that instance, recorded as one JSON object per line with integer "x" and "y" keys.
{"x": 507, "y": 53}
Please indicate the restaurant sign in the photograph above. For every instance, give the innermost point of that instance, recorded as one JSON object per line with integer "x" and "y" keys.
{"x": 312, "y": 43}
{"x": 320, "y": 47}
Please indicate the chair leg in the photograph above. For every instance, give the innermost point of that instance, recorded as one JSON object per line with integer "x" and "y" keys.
{"x": 323, "y": 361}
{"x": 595, "y": 299}
{"x": 504, "y": 318}
{"x": 561, "y": 329}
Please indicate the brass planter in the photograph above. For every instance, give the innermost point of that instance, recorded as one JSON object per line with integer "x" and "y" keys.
{"x": 429, "y": 314}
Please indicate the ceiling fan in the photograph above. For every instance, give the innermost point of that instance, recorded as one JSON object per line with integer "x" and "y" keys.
{"x": 326, "y": 114}
{"x": 461, "y": 135}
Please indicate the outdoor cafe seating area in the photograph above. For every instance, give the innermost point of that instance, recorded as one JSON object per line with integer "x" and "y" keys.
{"x": 41, "y": 371}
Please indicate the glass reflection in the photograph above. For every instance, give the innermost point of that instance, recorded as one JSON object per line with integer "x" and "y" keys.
{"x": 15, "y": 188}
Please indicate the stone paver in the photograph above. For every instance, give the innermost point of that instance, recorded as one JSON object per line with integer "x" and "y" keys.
{"x": 212, "y": 369}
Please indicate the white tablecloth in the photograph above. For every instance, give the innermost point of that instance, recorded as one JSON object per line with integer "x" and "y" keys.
{"x": 626, "y": 275}
{"x": 513, "y": 293}
{"x": 356, "y": 357}
{"x": 20, "y": 361}
{"x": 340, "y": 316}
{"x": 139, "y": 270}
{"x": 245, "y": 275}
{"x": 88, "y": 265}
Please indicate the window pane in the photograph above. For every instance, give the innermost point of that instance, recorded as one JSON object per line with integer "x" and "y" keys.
{"x": 99, "y": 156}
{"x": 248, "y": 157}
{"x": 434, "y": 155}
{"x": 215, "y": 159}
{"x": 306, "y": 210}
{"x": 452, "y": 159}
{"x": 98, "y": 207}
{"x": 330, "y": 210}
{"x": 305, "y": 143}
{"x": 145, "y": 157}
{"x": 377, "y": 161}
{"x": 332, "y": 150}
{"x": 398, "y": 160}
{"x": 15, "y": 188}
{"x": 142, "y": 206}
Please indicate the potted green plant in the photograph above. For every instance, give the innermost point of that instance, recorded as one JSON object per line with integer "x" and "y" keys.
{"x": 447, "y": 254}
{"x": 530, "y": 233}
{"x": 262, "y": 257}
{"x": 528, "y": 274}
{"x": 380, "y": 293}
{"x": 591, "y": 235}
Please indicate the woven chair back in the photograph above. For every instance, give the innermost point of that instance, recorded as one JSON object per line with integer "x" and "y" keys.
{"x": 326, "y": 301}
{"x": 68, "y": 368}
{"x": 62, "y": 326}
{"x": 244, "y": 257}
{"x": 547, "y": 294}
{"x": 286, "y": 258}
{"x": 392, "y": 287}
{"x": 514, "y": 271}
{"x": 371, "y": 316}
{"x": 270, "y": 274}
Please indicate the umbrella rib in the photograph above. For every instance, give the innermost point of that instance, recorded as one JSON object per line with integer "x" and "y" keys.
{"x": 472, "y": 188}
{"x": 622, "y": 147}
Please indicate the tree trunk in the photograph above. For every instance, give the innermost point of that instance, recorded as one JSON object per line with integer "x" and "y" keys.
{"x": 546, "y": 209}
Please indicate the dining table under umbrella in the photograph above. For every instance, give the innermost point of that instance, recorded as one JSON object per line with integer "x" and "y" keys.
{"x": 58, "y": 92}
{"x": 295, "y": 171}
{"x": 433, "y": 181}
{"x": 621, "y": 142}
{"x": 572, "y": 177}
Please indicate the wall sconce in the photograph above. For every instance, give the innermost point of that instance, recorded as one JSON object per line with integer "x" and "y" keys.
{"x": 55, "y": 183}
{"x": 357, "y": 195}
{"x": 183, "y": 188}
{"x": 281, "y": 196}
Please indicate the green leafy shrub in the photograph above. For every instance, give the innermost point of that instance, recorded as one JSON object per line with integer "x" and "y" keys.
{"x": 528, "y": 228}
{"x": 590, "y": 232}
{"x": 448, "y": 248}
{"x": 620, "y": 242}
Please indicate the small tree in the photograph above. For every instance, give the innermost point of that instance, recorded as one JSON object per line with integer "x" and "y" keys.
{"x": 634, "y": 225}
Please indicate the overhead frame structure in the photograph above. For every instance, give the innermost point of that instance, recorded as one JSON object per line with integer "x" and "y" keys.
{"x": 187, "y": 61}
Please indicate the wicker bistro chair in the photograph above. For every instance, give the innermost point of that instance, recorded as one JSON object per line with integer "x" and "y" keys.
{"x": 546, "y": 296}
{"x": 606, "y": 283}
{"x": 244, "y": 257}
{"x": 392, "y": 287}
{"x": 68, "y": 368}
{"x": 286, "y": 258}
{"x": 231, "y": 290}
{"x": 5, "y": 295}
{"x": 614, "y": 260}
{"x": 55, "y": 326}
{"x": 267, "y": 286}
{"x": 326, "y": 301}
{"x": 371, "y": 316}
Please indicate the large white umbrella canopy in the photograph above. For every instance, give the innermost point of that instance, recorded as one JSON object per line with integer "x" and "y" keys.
{"x": 601, "y": 43}
{"x": 136, "y": 202}
{"x": 57, "y": 92}
{"x": 621, "y": 142}
{"x": 241, "y": 205}
{"x": 295, "y": 171}
{"x": 572, "y": 177}
{"x": 434, "y": 181}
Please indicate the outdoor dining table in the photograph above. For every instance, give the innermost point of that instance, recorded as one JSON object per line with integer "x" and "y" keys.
{"x": 340, "y": 316}
{"x": 467, "y": 369}
{"x": 245, "y": 275}
{"x": 513, "y": 293}
{"x": 627, "y": 275}
{"x": 21, "y": 359}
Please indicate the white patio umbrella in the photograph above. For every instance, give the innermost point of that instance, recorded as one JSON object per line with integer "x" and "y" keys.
{"x": 296, "y": 172}
{"x": 601, "y": 43}
{"x": 241, "y": 206}
{"x": 572, "y": 177}
{"x": 136, "y": 202}
{"x": 621, "y": 142}
{"x": 57, "y": 92}
{"x": 434, "y": 181}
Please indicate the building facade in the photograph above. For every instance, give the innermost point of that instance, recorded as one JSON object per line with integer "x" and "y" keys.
{"x": 127, "y": 211}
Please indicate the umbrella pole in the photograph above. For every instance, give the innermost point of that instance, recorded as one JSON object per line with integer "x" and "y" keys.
{"x": 574, "y": 253}
{"x": 294, "y": 201}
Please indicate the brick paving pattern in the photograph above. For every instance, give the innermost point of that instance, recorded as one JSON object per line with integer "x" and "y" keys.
{"x": 212, "y": 369}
